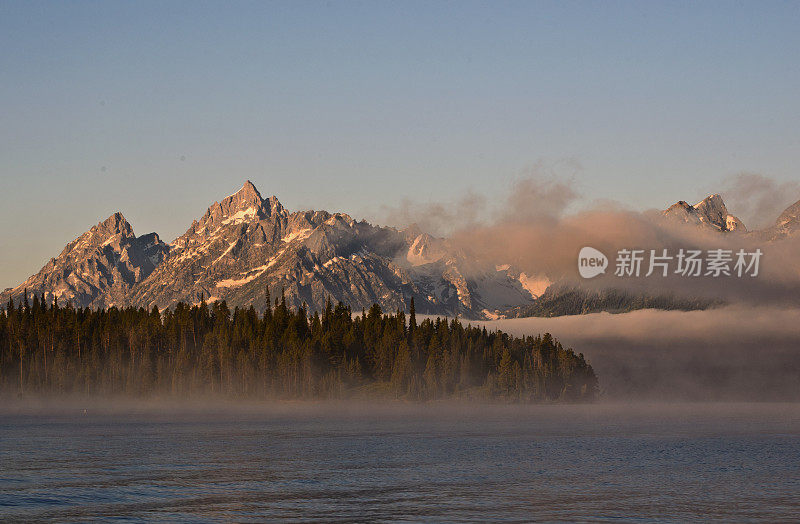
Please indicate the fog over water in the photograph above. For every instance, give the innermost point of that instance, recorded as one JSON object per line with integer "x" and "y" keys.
{"x": 748, "y": 349}
{"x": 438, "y": 461}
{"x": 731, "y": 353}
{"x": 699, "y": 419}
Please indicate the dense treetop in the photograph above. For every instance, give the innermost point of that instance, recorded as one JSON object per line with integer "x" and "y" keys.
{"x": 207, "y": 349}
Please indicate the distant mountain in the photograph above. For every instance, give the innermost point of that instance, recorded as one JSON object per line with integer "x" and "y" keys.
{"x": 786, "y": 225}
{"x": 561, "y": 300}
{"x": 710, "y": 212}
{"x": 98, "y": 268}
{"x": 245, "y": 245}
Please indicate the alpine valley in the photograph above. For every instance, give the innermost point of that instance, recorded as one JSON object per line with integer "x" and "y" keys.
{"x": 245, "y": 247}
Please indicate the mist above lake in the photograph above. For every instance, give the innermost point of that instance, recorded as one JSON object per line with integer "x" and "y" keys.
{"x": 731, "y": 353}
{"x": 436, "y": 461}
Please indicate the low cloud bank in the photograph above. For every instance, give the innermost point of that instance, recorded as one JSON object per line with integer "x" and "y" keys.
{"x": 732, "y": 353}
{"x": 549, "y": 243}
{"x": 539, "y": 228}
{"x": 748, "y": 350}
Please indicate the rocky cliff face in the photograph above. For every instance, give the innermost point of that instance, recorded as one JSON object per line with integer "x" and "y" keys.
{"x": 710, "y": 212}
{"x": 98, "y": 268}
{"x": 245, "y": 246}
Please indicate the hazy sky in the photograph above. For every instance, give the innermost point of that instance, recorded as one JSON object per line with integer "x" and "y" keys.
{"x": 158, "y": 109}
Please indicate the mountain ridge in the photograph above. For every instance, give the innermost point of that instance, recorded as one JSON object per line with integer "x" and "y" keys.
{"x": 711, "y": 212}
{"x": 97, "y": 268}
{"x": 245, "y": 248}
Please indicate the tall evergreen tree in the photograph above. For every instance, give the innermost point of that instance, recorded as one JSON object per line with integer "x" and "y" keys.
{"x": 285, "y": 353}
{"x": 412, "y": 317}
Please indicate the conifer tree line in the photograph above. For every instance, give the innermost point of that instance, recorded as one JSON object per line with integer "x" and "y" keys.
{"x": 207, "y": 349}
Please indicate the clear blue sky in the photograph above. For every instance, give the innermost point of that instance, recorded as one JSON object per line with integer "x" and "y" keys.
{"x": 157, "y": 109}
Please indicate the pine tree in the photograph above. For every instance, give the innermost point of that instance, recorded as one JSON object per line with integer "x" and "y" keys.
{"x": 287, "y": 353}
{"x": 412, "y": 317}
{"x": 505, "y": 373}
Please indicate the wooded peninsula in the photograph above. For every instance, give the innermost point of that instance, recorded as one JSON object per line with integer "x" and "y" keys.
{"x": 207, "y": 349}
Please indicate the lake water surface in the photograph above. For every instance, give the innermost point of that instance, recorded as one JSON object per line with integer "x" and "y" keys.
{"x": 437, "y": 462}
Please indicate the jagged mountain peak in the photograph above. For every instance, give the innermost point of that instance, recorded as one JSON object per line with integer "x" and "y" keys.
{"x": 99, "y": 267}
{"x": 114, "y": 225}
{"x": 246, "y": 205}
{"x": 113, "y": 230}
{"x": 713, "y": 198}
{"x": 245, "y": 198}
{"x": 679, "y": 206}
{"x": 713, "y": 209}
{"x": 248, "y": 195}
{"x": 117, "y": 221}
{"x": 710, "y": 212}
{"x": 274, "y": 205}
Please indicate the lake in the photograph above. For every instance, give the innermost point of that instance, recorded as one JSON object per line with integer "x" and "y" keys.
{"x": 415, "y": 462}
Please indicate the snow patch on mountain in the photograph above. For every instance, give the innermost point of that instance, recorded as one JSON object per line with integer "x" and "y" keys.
{"x": 242, "y": 215}
{"x": 297, "y": 235}
{"x": 536, "y": 285}
{"x": 240, "y": 282}
{"x": 245, "y": 245}
{"x": 425, "y": 250}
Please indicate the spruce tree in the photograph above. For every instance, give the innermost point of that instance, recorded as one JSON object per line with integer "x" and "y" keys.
{"x": 412, "y": 317}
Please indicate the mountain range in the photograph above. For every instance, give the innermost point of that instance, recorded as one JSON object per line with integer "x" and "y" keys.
{"x": 245, "y": 247}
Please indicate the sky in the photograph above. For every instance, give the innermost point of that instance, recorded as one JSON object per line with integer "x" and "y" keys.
{"x": 157, "y": 109}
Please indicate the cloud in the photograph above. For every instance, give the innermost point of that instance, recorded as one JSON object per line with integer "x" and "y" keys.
{"x": 532, "y": 230}
{"x": 758, "y": 199}
{"x": 747, "y": 350}
{"x": 543, "y": 193}
{"x": 732, "y": 353}
{"x": 436, "y": 218}
{"x": 539, "y": 227}
{"x": 537, "y": 199}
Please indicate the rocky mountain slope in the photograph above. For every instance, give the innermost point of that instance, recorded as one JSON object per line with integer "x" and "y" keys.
{"x": 786, "y": 225}
{"x": 98, "y": 268}
{"x": 246, "y": 246}
{"x": 709, "y": 212}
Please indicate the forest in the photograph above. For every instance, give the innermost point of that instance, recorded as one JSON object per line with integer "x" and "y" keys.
{"x": 565, "y": 300}
{"x": 209, "y": 350}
